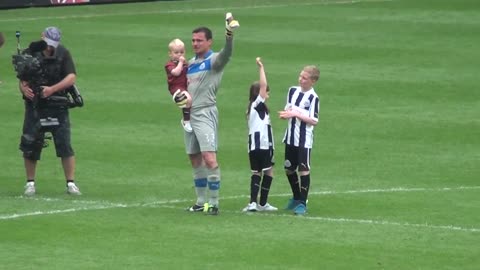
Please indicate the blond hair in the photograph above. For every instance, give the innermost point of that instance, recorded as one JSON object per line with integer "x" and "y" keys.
{"x": 175, "y": 43}
{"x": 313, "y": 71}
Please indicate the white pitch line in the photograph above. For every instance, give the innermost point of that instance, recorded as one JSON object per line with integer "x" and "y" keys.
{"x": 325, "y": 192}
{"x": 393, "y": 223}
{"x": 48, "y": 199}
{"x": 390, "y": 190}
{"x": 167, "y": 204}
{"x": 360, "y": 191}
{"x": 52, "y": 212}
{"x": 352, "y": 220}
{"x": 189, "y": 10}
{"x": 97, "y": 205}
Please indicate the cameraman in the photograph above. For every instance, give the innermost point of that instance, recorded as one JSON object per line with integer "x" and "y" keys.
{"x": 59, "y": 75}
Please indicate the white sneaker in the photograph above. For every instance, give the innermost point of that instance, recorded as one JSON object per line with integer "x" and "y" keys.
{"x": 73, "y": 189}
{"x": 251, "y": 207}
{"x": 186, "y": 126}
{"x": 29, "y": 189}
{"x": 266, "y": 207}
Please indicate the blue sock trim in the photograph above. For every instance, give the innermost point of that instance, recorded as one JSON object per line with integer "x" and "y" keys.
{"x": 201, "y": 182}
{"x": 214, "y": 185}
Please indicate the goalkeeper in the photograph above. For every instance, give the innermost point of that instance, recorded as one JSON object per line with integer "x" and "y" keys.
{"x": 204, "y": 75}
{"x": 176, "y": 69}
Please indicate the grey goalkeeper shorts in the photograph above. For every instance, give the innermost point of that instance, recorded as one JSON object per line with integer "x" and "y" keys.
{"x": 204, "y": 135}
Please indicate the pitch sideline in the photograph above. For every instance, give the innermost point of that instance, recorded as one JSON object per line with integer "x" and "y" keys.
{"x": 103, "y": 205}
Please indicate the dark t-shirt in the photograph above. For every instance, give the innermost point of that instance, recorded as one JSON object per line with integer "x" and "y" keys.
{"x": 176, "y": 82}
{"x": 57, "y": 67}
{"x": 66, "y": 64}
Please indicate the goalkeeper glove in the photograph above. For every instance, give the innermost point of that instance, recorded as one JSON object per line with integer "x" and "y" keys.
{"x": 230, "y": 24}
{"x": 180, "y": 98}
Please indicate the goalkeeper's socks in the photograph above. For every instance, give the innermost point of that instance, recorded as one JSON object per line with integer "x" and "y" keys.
{"x": 214, "y": 190}
{"x": 200, "y": 190}
{"x": 213, "y": 185}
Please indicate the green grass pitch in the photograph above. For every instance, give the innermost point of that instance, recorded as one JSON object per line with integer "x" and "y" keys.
{"x": 395, "y": 166}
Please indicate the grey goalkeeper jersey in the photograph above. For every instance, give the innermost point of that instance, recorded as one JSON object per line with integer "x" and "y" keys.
{"x": 205, "y": 74}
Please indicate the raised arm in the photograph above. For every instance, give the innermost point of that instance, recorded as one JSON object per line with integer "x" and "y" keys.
{"x": 226, "y": 52}
{"x": 263, "y": 78}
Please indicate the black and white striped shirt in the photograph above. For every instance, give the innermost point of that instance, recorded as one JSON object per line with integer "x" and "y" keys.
{"x": 299, "y": 133}
{"x": 259, "y": 126}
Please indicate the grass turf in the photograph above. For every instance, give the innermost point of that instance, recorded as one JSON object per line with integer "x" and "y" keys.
{"x": 394, "y": 167}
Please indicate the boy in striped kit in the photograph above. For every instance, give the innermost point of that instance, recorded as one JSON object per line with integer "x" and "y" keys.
{"x": 301, "y": 110}
{"x": 260, "y": 144}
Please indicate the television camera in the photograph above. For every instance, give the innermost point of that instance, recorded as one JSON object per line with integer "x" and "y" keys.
{"x": 29, "y": 65}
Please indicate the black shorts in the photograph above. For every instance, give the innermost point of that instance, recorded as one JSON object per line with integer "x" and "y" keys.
{"x": 31, "y": 142}
{"x": 261, "y": 160}
{"x": 297, "y": 157}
